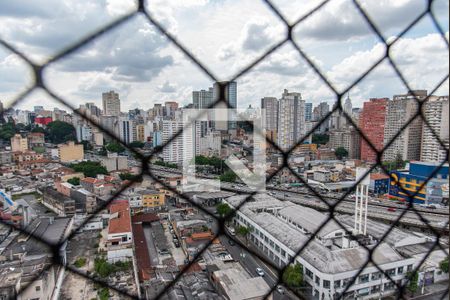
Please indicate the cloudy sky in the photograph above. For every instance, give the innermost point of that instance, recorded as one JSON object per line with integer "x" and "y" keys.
{"x": 225, "y": 35}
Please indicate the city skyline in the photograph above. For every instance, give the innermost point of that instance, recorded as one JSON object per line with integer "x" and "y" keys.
{"x": 161, "y": 74}
{"x": 130, "y": 183}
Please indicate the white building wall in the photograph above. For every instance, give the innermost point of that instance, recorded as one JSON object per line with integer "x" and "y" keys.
{"x": 281, "y": 255}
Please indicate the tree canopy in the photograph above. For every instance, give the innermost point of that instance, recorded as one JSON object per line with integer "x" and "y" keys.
{"x": 293, "y": 276}
{"x": 89, "y": 168}
{"x": 136, "y": 144}
{"x": 60, "y": 132}
{"x": 7, "y": 131}
{"x": 86, "y": 145}
{"x": 129, "y": 176}
{"x": 413, "y": 282}
{"x": 228, "y": 176}
{"x": 443, "y": 265}
{"x": 165, "y": 164}
{"x": 341, "y": 152}
{"x": 74, "y": 181}
{"x": 320, "y": 138}
{"x": 115, "y": 147}
{"x": 223, "y": 209}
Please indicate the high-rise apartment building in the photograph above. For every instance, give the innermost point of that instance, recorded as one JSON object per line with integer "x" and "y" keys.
{"x": 270, "y": 105}
{"x": 308, "y": 111}
{"x": 371, "y": 123}
{"x": 111, "y": 103}
{"x": 291, "y": 120}
{"x": 170, "y": 108}
{"x": 347, "y": 138}
{"x": 172, "y": 152}
{"x": 231, "y": 99}
{"x": 270, "y": 110}
{"x": 398, "y": 112}
{"x": 185, "y": 146}
{"x": 19, "y": 143}
{"x": 202, "y": 99}
{"x": 127, "y": 130}
{"x": 319, "y": 114}
{"x": 435, "y": 111}
{"x": 348, "y": 106}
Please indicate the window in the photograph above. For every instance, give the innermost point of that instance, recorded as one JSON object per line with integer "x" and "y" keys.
{"x": 376, "y": 275}
{"x": 346, "y": 281}
{"x": 389, "y": 286}
{"x": 283, "y": 253}
{"x": 376, "y": 288}
{"x": 409, "y": 268}
{"x": 326, "y": 284}
{"x": 317, "y": 280}
{"x": 308, "y": 273}
{"x": 364, "y": 278}
{"x": 400, "y": 270}
{"x": 38, "y": 288}
{"x": 337, "y": 284}
{"x": 390, "y": 272}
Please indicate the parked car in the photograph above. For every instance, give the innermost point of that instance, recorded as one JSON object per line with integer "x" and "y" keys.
{"x": 260, "y": 272}
{"x": 231, "y": 242}
{"x": 164, "y": 252}
{"x": 280, "y": 289}
{"x": 391, "y": 209}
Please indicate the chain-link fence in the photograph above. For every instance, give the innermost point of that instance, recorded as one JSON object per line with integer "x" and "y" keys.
{"x": 146, "y": 170}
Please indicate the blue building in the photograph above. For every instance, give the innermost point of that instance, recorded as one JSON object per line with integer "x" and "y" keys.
{"x": 379, "y": 184}
{"x": 408, "y": 182}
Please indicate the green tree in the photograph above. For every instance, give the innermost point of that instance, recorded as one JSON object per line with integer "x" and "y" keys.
{"x": 136, "y": 144}
{"x": 399, "y": 163}
{"x": 341, "y": 152}
{"x": 80, "y": 262}
{"x": 228, "y": 176}
{"x": 115, "y": 147}
{"x": 129, "y": 176}
{"x": 87, "y": 146}
{"x": 320, "y": 139}
{"x": 443, "y": 265}
{"x": 244, "y": 232}
{"x": 38, "y": 129}
{"x": 59, "y": 132}
{"x": 103, "y": 268}
{"x": 293, "y": 276}
{"x": 165, "y": 164}
{"x": 7, "y": 131}
{"x": 223, "y": 209}
{"x": 89, "y": 168}
{"x": 413, "y": 281}
{"x": 74, "y": 181}
{"x": 103, "y": 293}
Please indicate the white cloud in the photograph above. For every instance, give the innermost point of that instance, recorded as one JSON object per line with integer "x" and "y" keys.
{"x": 225, "y": 36}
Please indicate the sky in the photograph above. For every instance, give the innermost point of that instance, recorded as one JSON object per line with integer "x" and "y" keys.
{"x": 145, "y": 68}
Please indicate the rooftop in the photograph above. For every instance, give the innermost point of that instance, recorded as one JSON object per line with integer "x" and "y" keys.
{"x": 120, "y": 220}
{"x": 238, "y": 284}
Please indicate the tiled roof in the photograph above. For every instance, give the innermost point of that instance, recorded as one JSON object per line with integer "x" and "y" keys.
{"x": 121, "y": 223}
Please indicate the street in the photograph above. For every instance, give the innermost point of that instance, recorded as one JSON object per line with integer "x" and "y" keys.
{"x": 250, "y": 263}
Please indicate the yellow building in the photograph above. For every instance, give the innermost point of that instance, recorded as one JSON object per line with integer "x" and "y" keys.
{"x": 152, "y": 199}
{"x": 70, "y": 152}
{"x": 140, "y": 132}
{"x": 19, "y": 143}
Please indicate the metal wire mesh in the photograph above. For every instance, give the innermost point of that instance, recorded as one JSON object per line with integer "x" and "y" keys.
{"x": 39, "y": 83}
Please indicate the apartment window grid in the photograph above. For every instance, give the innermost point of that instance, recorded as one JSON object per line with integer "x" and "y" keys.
{"x": 389, "y": 283}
